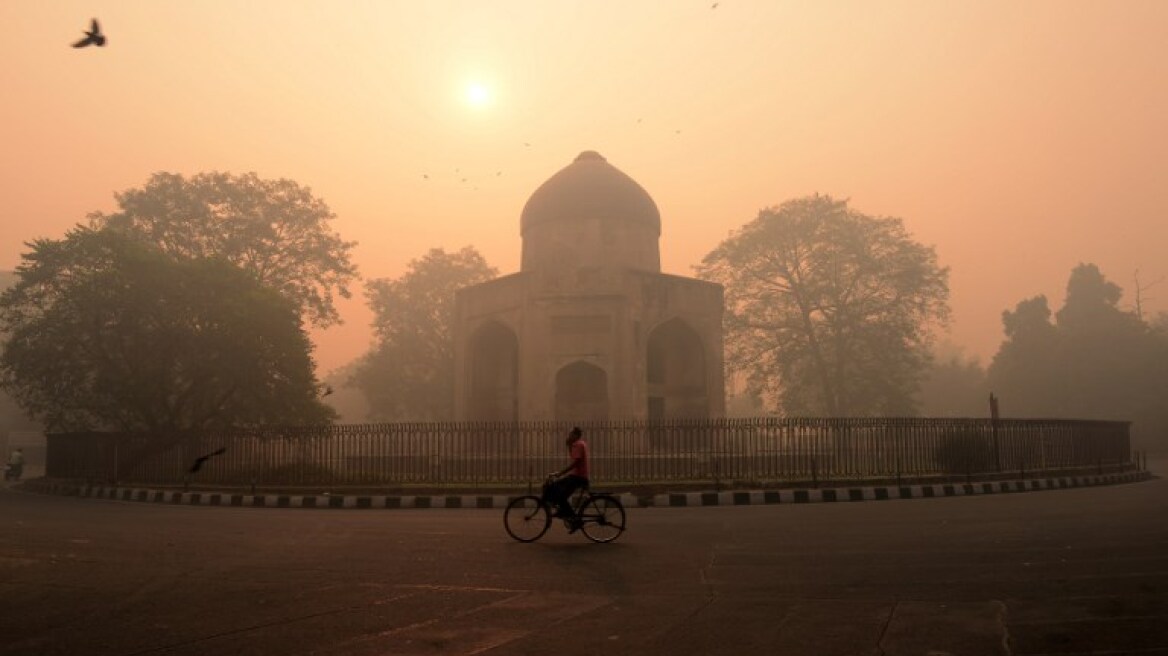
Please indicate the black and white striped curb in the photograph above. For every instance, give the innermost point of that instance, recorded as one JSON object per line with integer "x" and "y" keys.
{"x": 324, "y": 500}
{"x": 885, "y": 493}
{"x": 665, "y": 500}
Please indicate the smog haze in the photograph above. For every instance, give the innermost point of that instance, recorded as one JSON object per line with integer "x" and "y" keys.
{"x": 1018, "y": 139}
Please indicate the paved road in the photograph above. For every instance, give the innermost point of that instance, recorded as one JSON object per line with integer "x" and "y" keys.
{"x": 1082, "y": 571}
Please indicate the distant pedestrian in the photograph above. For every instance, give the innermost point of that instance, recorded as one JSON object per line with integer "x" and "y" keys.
{"x": 15, "y": 465}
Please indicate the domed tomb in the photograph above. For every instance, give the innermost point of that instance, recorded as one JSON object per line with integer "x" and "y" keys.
{"x": 590, "y": 214}
{"x": 589, "y": 329}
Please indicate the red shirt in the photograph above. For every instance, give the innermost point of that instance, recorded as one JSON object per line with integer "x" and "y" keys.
{"x": 579, "y": 454}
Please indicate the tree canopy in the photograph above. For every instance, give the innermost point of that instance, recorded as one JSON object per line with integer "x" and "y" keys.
{"x": 409, "y": 374}
{"x": 1024, "y": 371}
{"x": 105, "y": 332}
{"x": 275, "y": 229}
{"x": 829, "y": 310}
{"x": 1093, "y": 361}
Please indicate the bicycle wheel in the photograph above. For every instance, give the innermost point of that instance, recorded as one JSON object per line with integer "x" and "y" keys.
{"x": 526, "y": 518}
{"x": 603, "y": 518}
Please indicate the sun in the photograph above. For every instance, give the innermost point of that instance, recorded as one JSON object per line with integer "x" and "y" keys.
{"x": 477, "y": 95}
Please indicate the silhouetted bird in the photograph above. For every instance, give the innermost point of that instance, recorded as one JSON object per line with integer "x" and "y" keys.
{"x": 328, "y": 389}
{"x": 201, "y": 459}
{"x": 714, "y": 6}
{"x": 93, "y": 37}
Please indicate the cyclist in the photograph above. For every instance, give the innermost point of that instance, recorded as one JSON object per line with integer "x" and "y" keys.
{"x": 570, "y": 478}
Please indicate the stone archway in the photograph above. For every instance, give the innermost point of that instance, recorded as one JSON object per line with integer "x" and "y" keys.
{"x": 494, "y": 373}
{"x": 675, "y": 365}
{"x": 581, "y": 393}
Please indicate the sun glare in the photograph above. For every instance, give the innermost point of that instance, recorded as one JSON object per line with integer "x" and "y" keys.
{"x": 477, "y": 95}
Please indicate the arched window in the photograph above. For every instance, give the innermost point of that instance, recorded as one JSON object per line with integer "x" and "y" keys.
{"x": 675, "y": 366}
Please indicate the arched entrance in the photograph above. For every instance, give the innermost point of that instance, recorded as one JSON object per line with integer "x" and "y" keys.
{"x": 581, "y": 393}
{"x": 676, "y": 372}
{"x": 494, "y": 373}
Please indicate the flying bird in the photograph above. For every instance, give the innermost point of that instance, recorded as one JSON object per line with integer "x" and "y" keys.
{"x": 201, "y": 459}
{"x": 93, "y": 37}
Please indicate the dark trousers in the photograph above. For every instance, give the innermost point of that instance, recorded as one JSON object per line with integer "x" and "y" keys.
{"x": 561, "y": 490}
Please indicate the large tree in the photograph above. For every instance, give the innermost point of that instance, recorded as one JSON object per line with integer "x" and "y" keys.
{"x": 104, "y": 332}
{"x": 1025, "y": 373}
{"x": 829, "y": 310}
{"x": 1094, "y": 361}
{"x": 276, "y": 229}
{"x": 409, "y": 375}
{"x": 12, "y": 417}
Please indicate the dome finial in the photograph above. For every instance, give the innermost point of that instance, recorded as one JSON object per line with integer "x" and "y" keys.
{"x": 590, "y": 155}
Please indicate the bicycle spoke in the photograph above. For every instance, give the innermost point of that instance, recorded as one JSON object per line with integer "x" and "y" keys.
{"x": 603, "y": 519}
{"x": 526, "y": 518}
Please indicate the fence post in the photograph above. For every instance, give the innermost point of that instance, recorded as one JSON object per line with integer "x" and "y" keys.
{"x": 994, "y": 430}
{"x": 898, "y": 468}
{"x": 997, "y": 449}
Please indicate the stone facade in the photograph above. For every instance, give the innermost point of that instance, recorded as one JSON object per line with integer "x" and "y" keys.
{"x": 589, "y": 329}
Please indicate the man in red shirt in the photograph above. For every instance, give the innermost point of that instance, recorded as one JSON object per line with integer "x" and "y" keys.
{"x": 570, "y": 478}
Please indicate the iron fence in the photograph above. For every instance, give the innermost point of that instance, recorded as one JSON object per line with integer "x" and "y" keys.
{"x": 758, "y": 450}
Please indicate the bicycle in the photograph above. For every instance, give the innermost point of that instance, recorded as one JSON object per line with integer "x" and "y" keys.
{"x": 601, "y": 515}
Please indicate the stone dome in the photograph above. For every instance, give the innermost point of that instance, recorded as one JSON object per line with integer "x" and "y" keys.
{"x": 590, "y": 188}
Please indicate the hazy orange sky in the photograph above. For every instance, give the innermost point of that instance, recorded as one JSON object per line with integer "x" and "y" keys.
{"x": 1018, "y": 138}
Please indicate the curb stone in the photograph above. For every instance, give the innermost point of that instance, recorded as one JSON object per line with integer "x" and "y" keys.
{"x": 885, "y": 493}
{"x": 663, "y": 500}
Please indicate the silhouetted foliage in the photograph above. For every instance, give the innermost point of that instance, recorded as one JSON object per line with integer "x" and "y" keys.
{"x": 828, "y": 309}
{"x": 346, "y": 399}
{"x": 12, "y": 417}
{"x": 105, "y": 332}
{"x": 275, "y": 229}
{"x": 954, "y": 387}
{"x": 1095, "y": 361}
{"x": 409, "y": 375}
{"x": 1025, "y": 371}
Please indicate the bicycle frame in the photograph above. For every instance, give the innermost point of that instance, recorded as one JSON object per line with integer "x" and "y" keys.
{"x": 579, "y": 501}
